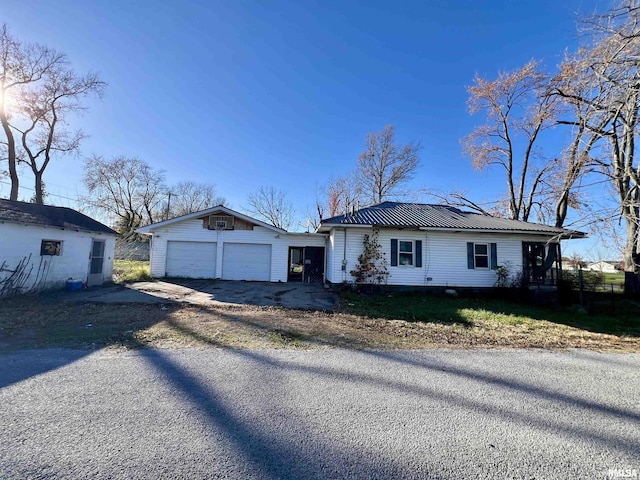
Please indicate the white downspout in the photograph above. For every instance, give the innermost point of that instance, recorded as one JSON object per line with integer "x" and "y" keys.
{"x": 344, "y": 257}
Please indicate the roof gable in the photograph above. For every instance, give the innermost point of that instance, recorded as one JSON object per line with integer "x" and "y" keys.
{"x": 49, "y": 216}
{"x": 437, "y": 217}
{"x": 149, "y": 229}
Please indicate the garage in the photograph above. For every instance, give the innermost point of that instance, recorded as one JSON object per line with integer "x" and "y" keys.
{"x": 246, "y": 261}
{"x": 191, "y": 259}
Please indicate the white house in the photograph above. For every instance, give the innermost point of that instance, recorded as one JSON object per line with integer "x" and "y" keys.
{"x": 424, "y": 245}
{"x": 42, "y": 246}
{"x": 222, "y": 243}
{"x": 438, "y": 245}
{"x": 602, "y": 266}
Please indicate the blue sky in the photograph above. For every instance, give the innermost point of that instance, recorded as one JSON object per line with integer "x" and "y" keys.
{"x": 249, "y": 93}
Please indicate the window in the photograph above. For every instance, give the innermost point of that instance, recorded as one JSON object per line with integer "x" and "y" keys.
{"x": 481, "y": 255}
{"x": 406, "y": 253}
{"x": 51, "y": 247}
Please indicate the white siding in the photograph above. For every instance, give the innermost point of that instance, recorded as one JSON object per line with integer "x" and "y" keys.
{"x": 191, "y": 230}
{"x": 21, "y": 241}
{"x": 191, "y": 259}
{"x": 444, "y": 256}
{"x": 246, "y": 261}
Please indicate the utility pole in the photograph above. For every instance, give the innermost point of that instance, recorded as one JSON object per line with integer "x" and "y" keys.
{"x": 166, "y": 215}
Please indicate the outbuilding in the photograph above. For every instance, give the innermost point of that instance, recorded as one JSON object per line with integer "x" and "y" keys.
{"x": 225, "y": 244}
{"x": 43, "y": 246}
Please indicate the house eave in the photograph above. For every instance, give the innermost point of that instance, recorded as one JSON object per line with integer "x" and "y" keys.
{"x": 326, "y": 227}
{"x": 54, "y": 227}
{"x": 565, "y": 235}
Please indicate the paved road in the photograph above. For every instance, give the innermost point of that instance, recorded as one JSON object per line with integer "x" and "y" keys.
{"x": 318, "y": 414}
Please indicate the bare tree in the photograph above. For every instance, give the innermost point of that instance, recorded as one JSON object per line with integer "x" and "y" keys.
{"x": 384, "y": 166}
{"x": 125, "y": 188}
{"x": 272, "y": 206}
{"x": 21, "y": 65}
{"x": 515, "y": 105}
{"x": 192, "y": 197}
{"x": 45, "y": 110}
{"x": 609, "y": 72}
{"x": 336, "y": 197}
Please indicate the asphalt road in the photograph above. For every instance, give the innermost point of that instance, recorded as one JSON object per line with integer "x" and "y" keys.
{"x": 318, "y": 414}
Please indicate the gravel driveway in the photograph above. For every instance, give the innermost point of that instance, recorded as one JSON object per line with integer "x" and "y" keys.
{"x": 318, "y": 414}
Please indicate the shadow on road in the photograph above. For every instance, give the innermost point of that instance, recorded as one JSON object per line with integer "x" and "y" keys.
{"x": 252, "y": 444}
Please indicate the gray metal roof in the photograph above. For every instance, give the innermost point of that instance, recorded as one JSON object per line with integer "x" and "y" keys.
{"x": 49, "y": 216}
{"x": 419, "y": 215}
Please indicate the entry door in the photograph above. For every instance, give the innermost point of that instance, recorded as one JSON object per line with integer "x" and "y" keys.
{"x": 533, "y": 263}
{"x": 313, "y": 265}
{"x": 96, "y": 263}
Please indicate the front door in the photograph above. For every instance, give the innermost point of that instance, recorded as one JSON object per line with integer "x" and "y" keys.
{"x": 313, "y": 265}
{"x": 533, "y": 262}
{"x": 96, "y": 263}
{"x": 541, "y": 263}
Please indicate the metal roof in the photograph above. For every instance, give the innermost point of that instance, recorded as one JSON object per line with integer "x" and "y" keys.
{"x": 426, "y": 216}
{"x": 49, "y": 216}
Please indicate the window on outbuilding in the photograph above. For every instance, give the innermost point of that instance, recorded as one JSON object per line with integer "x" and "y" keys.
{"x": 51, "y": 247}
{"x": 406, "y": 253}
{"x": 482, "y": 255}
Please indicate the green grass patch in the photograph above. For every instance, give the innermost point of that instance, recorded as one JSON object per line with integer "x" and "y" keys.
{"x": 613, "y": 278}
{"x": 127, "y": 271}
{"x": 619, "y": 317}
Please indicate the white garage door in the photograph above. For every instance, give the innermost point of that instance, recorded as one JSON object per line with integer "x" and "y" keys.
{"x": 191, "y": 259}
{"x": 246, "y": 261}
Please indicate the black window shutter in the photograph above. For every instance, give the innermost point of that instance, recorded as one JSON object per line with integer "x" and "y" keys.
{"x": 418, "y": 253}
{"x": 470, "y": 262}
{"x": 494, "y": 256}
{"x": 394, "y": 252}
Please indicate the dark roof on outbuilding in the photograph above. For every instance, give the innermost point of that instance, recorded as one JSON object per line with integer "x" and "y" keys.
{"x": 438, "y": 217}
{"x": 49, "y": 216}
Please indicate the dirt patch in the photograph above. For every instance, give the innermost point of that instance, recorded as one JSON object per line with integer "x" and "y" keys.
{"x": 32, "y": 323}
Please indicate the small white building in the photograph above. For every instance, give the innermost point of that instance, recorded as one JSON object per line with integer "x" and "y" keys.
{"x": 603, "y": 267}
{"x": 42, "y": 246}
{"x": 225, "y": 244}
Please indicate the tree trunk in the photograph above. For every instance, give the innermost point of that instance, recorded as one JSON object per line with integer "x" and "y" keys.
{"x": 561, "y": 208}
{"x": 632, "y": 260}
{"x": 11, "y": 149}
{"x": 39, "y": 195}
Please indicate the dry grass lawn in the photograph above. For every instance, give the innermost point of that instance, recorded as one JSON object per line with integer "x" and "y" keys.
{"x": 33, "y": 322}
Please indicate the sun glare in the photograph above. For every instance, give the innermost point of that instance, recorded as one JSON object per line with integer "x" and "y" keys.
{"x": 6, "y": 100}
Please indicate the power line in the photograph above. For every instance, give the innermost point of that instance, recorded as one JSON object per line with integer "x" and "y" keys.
{"x": 47, "y": 193}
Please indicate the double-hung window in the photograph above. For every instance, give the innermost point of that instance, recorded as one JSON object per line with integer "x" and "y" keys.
{"x": 406, "y": 253}
{"x": 482, "y": 255}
